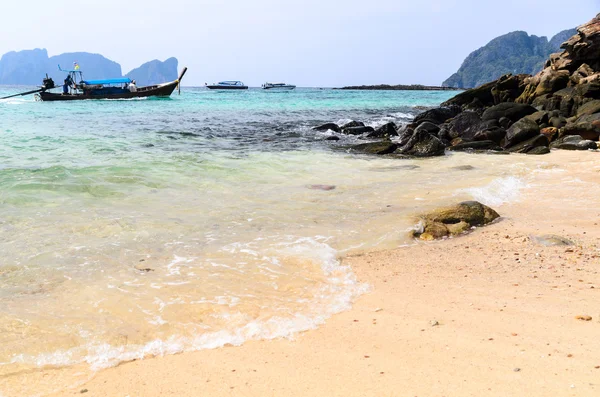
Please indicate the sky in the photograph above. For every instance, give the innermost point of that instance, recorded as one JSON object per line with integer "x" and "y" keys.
{"x": 310, "y": 43}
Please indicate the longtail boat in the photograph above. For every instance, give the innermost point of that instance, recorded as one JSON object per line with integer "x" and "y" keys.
{"x": 76, "y": 88}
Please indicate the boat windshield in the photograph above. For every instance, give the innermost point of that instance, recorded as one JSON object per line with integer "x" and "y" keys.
{"x": 230, "y": 83}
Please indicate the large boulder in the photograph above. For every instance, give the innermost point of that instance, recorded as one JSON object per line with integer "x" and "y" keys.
{"x": 589, "y": 108}
{"x": 510, "y": 110}
{"x": 385, "y": 131}
{"x": 428, "y": 127}
{"x": 437, "y": 116}
{"x": 353, "y": 124}
{"x": 422, "y": 144}
{"x": 521, "y": 131}
{"x": 584, "y": 47}
{"x": 494, "y": 134}
{"x": 453, "y": 220}
{"x": 530, "y": 144}
{"x": 465, "y": 125}
{"x": 573, "y": 142}
{"x": 584, "y": 128}
{"x": 482, "y": 95}
{"x": 328, "y": 127}
{"x": 357, "y": 130}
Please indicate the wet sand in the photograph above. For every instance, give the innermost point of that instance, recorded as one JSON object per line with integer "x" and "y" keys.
{"x": 489, "y": 314}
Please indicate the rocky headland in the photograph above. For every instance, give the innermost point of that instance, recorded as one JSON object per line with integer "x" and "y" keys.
{"x": 558, "y": 108}
{"x": 515, "y": 52}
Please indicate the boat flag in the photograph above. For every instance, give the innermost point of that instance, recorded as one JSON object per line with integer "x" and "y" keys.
{"x": 75, "y": 66}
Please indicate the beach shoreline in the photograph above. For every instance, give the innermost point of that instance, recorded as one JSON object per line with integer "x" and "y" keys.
{"x": 491, "y": 313}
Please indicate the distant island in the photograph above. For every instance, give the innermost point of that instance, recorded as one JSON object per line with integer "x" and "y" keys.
{"x": 400, "y": 87}
{"x": 515, "y": 53}
{"x": 29, "y": 67}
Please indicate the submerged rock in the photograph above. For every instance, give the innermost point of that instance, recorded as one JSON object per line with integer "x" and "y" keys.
{"x": 551, "y": 240}
{"x": 385, "y": 131}
{"x": 455, "y": 220}
{"x": 327, "y": 127}
{"x": 353, "y": 124}
{"x": 321, "y": 187}
{"x": 357, "y": 130}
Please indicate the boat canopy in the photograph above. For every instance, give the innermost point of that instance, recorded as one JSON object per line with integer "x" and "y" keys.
{"x": 122, "y": 80}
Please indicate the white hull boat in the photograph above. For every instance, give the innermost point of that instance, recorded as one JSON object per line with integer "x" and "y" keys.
{"x": 278, "y": 86}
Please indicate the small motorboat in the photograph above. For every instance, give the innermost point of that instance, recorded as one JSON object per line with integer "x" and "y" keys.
{"x": 227, "y": 85}
{"x": 278, "y": 86}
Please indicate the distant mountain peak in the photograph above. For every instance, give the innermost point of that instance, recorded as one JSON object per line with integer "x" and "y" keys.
{"x": 515, "y": 52}
{"x": 28, "y": 67}
{"x": 155, "y": 72}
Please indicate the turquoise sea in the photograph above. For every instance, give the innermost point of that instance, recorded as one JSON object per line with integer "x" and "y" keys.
{"x": 145, "y": 227}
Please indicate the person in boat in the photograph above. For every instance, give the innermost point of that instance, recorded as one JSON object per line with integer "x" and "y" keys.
{"x": 132, "y": 87}
{"x": 67, "y": 84}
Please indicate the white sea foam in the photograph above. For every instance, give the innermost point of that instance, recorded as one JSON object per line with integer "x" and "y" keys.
{"x": 333, "y": 296}
{"x": 15, "y": 101}
{"x": 498, "y": 192}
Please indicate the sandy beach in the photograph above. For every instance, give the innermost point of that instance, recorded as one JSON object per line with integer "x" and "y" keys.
{"x": 492, "y": 313}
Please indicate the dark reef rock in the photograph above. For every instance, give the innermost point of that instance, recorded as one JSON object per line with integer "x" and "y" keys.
{"x": 510, "y": 110}
{"x": 521, "y": 131}
{"x": 353, "y": 124}
{"x": 357, "y": 130}
{"x": 573, "y": 142}
{"x": 328, "y": 127}
{"x": 437, "y": 115}
{"x": 422, "y": 144}
{"x": 526, "y": 114}
{"x": 375, "y": 148}
{"x": 558, "y": 108}
{"x": 385, "y": 131}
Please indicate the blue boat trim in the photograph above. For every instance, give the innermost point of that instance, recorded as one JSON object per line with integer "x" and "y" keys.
{"x": 122, "y": 80}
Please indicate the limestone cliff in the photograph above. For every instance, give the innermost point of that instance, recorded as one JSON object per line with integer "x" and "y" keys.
{"x": 154, "y": 72}
{"x": 515, "y": 53}
{"x": 29, "y": 67}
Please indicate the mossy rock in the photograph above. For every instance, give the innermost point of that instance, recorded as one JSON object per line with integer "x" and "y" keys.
{"x": 455, "y": 220}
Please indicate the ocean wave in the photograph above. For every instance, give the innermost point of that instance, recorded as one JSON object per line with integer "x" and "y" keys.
{"x": 336, "y": 294}
{"x": 497, "y": 192}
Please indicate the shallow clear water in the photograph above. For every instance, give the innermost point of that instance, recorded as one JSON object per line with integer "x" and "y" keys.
{"x": 143, "y": 227}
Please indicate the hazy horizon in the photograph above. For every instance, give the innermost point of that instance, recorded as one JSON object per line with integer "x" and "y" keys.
{"x": 312, "y": 43}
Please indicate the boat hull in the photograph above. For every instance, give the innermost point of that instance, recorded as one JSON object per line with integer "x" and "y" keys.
{"x": 162, "y": 90}
{"x": 285, "y": 88}
{"x": 220, "y": 87}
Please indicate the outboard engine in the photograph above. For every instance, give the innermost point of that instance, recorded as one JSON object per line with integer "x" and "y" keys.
{"x": 48, "y": 83}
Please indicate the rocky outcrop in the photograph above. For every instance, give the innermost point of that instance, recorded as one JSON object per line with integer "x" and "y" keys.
{"x": 526, "y": 114}
{"x": 515, "y": 52}
{"x": 514, "y": 114}
{"x": 454, "y": 220}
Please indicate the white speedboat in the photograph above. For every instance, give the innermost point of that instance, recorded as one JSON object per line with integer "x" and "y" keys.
{"x": 278, "y": 86}
{"x": 227, "y": 85}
